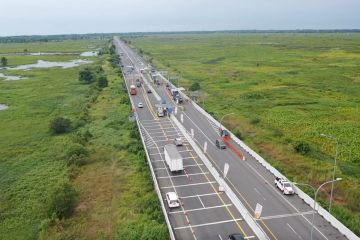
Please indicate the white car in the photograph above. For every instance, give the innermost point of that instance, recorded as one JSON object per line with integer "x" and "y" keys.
{"x": 172, "y": 200}
{"x": 178, "y": 141}
{"x": 140, "y": 105}
{"x": 284, "y": 185}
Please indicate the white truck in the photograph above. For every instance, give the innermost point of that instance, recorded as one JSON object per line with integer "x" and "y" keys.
{"x": 284, "y": 185}
{"x": 173, "y": 158}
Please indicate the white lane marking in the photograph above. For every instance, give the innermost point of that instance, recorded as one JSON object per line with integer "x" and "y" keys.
{"x": 202, "y": 195}
{"x": 286, "y": 215}
{"x": 191, "y": 165}
{"x": 160, "y": 127}
{"x": 294, "y": 231}
{"x": 201, "y": 201}
{"x": 208, "y": 224}
{"x": 260, "y": 194}
{"x": 183, "y": 175}
{"x": 163, "y": 132}
{"x": 200, "y": 209}
{"x": 281, "y": 195}
{"x": 187, "y": 185}
{"x": 220, "y": 237}
{"x": 211, "y": 141}
{"x": 194, "y": 165}
{"x": 271, "y": 186}
{"x": 249, "y": 237}
{"x": 158, "y": 160}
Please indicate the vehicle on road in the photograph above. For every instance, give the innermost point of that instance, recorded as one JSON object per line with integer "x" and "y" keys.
{"x": 178, "y": 141}
{"x": 174, "y": 92}
{"x": 284, "y": 185}
{"x": 220, "y": 144}
{"x": 178, "y": 98}
{"x": 149, "y": 90}
{"x": 172, "y": 200}
{"x": 236, "y": 236}
{"x": 160, "y": 112}
{"x": 140, "y": 105}
{"x": 173, "y": 158}
{"x": 224, "y": 133}
{"x": 133, "y": 90}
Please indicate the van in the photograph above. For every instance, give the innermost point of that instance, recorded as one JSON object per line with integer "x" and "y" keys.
{"x": 220, "y": 144}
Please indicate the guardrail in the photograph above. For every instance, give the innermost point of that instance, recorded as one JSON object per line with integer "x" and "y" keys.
{"x": 237, "y": 203}
{"x": 306, "y": 198}
{"x": 157, "y": 189}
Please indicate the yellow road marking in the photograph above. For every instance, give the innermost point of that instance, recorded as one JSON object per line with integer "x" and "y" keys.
{"x": 215, "y": 191}
{"x": 237, "y": 190}
{"x": 148, "y": 103}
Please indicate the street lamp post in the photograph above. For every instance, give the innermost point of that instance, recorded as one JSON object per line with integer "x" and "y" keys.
{"x": 315, "y": 196}
{"x": 223, "y": 118}
{"x": 334, "y": 171}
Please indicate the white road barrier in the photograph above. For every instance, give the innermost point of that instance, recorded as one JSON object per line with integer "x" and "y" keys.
{"x": 306, "y": 198}
{"x": 232, "y": 196}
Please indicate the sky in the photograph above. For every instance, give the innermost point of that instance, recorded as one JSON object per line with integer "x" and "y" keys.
{"x": 33, "y": 17}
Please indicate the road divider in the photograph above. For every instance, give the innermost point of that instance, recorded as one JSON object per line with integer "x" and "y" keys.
{"x": 237, "y": 203}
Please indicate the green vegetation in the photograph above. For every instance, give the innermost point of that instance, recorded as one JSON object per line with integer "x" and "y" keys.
{"x": 60, "y": 125}
{"x": 286, "y": 89}
{"x": 86, "y": 177}
{"x": 3, "y": 61}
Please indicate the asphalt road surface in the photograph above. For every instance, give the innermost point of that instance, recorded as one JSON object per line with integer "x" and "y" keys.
{"x": 212, "y": 216}
{"x": 204, "y": 213}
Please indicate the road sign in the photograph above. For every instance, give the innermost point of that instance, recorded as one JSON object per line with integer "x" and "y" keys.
{"x": 226, "y": 169}
{"x": 258, "y": 210}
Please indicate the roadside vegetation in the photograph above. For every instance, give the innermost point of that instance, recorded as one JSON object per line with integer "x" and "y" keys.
{"x": 285, "y": 90}
{"x": 72, "y": 165}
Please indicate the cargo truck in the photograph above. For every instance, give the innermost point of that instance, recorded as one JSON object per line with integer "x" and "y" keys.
{"x": 173, "y": 158}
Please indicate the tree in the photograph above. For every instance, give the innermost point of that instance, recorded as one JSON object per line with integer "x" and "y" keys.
{"x": 102, "y": 81}
{"x": 60, "y": 125}
{"x": 195, "y": 86}
{"x": 86, "y": 75}
{"x": 4, "y": 61}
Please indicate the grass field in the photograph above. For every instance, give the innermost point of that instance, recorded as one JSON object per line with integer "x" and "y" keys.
{"x": 284, "y": 89}
{"x": 67, "y": 46}
{"x": 114, "y": 193}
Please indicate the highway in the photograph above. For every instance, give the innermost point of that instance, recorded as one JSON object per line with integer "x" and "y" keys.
{"x": 205, "y": 213}
{"x": 282, "y": 217}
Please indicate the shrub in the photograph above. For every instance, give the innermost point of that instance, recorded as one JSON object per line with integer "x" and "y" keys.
{"x": 102, "y": 82}
{"x": 60, "y": 125}
{"x": 302, "y": 147}
{"x": 239, "y": 134}
{"x": 3, "y": 61}
{"x": 255, "y": 120}
{"x": 62, "y": 201}
{"x": 77, "y": 160}
{"x": 86, "y": 75}
{"x": 195, "y": 86}
{"x": 77, "y": 150}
